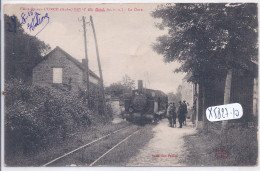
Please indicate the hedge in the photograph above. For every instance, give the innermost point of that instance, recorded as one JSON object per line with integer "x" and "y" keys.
{"x": 37, "y": 116}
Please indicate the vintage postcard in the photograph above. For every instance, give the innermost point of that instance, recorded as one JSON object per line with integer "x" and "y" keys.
{"x": 129, "y": 84}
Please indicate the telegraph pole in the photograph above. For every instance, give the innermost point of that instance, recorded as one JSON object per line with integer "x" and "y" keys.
{"x": 99, "y": 64}
{"x": 86, "y": 56}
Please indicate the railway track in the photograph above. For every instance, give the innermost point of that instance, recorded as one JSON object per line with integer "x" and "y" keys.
{"x": 91, "y": 153}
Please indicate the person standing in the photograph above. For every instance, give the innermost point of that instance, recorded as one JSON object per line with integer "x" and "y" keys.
{"x": 174, "y": 115}
{"x": 185, "y": 111}
{"x": 169, "y": 114}
{"x": 180, "y": 114}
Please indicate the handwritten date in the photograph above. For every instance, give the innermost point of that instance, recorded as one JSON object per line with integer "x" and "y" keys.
{"x": 34, "y": 20}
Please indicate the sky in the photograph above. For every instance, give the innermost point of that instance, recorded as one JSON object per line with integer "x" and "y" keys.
{"x": 124, "y": 38}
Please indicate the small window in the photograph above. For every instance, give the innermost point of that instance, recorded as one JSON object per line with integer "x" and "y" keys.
{"x": 57, "y": 75}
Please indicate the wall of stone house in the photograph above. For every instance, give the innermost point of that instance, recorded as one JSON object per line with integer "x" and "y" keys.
{"x": 92, "y": 79}
{"x": 43, "y": 72}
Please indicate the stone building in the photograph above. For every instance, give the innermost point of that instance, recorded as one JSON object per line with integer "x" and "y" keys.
{"x": 58, "y": 68}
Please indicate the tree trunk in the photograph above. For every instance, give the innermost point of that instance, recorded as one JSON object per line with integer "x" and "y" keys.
{"x": 227, "y": 97}
{"x": 204, "y": 119}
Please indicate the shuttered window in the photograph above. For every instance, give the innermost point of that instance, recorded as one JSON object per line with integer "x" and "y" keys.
{"x": 57, "y": 75}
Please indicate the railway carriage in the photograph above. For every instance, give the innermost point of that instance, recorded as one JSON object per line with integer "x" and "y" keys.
{"x": 145, "y": 105}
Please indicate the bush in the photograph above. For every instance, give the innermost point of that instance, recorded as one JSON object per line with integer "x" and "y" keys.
{"x": 36, "y": 117}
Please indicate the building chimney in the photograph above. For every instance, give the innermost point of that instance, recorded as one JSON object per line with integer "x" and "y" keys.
{"x": 140, "y": 85}
{"x": 84, "y": 63}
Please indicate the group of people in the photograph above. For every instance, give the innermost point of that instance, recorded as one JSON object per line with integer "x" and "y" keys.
{"x": 181, "y": 113}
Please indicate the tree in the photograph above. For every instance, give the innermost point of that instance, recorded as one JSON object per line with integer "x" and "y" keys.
{"x": 122, "y": 87}
{"x": 208, "y": 39}
{"x": 22, "y": 51}
{"x": 128, "y": 83}
{"x": 115, "y": 89}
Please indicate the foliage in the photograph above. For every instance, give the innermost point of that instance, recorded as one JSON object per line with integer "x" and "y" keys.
{"x": 36, "y": 117}
{"x": 22, "y": 51}
{"x": 128, "y": 83}
{"x": 241, "y": 145}
{"x": 115, "y": 89}
{"x": 95, "y": 99}
{"x": 121, "y": 88}
{"x": 208, "y": 38}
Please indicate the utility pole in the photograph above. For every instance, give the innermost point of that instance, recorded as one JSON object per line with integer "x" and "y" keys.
{"x": 99, "y": 64}
{"x": 86, "y": 56}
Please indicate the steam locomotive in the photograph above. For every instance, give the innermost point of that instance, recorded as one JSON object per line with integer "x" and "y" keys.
{"x": 145, "y": 105}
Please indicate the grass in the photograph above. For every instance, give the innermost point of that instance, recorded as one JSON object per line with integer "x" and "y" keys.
{"x": 119, "y": 156}
{"x": 130, "y": 148}
{"x": 89, "y": 154}
{"x": 57, "y": 149}
{"x": 240, "y": 147}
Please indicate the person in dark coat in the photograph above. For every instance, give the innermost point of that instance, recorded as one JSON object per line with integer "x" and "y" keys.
{"x": 174, "y": 115}
{"x": 185, "y": 111}
{"x": 180, "y": 114}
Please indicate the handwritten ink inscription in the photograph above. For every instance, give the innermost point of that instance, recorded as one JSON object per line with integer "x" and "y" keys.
{"x": 224, "y": 112}
{"x": 35, "y": 21}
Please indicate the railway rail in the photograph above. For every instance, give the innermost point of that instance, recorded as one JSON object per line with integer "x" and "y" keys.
{"x": 88, "y": 145}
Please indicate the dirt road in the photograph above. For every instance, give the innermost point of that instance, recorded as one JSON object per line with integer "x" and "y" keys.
{"x": 166, "y": 148}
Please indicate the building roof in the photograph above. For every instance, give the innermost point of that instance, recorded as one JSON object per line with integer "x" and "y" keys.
{"x": 72, "y": 59}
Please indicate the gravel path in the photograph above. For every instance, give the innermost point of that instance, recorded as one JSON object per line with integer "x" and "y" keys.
{"x": 166, "y": 148}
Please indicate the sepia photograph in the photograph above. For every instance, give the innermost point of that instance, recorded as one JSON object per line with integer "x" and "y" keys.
{"x": 129, "y": 84}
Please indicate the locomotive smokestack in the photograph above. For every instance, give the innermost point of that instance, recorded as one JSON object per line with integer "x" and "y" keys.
{"x": 140, "y": 85}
